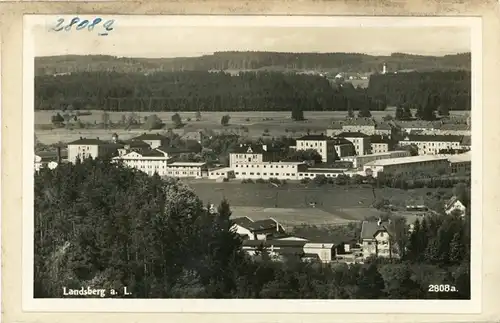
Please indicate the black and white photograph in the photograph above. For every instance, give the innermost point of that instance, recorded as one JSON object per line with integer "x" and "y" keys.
{"x": 246, "y": 158}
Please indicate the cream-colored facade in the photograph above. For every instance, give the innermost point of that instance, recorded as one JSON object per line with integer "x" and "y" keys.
{"x": 323, "y": 145}
{"x": 379, "y": 147}
{"x": 147, "y": 163}
{"x": 187, "y": 169}
{"x": 249, "y": 156}
{"x": 460, "y": 163}
{"x": 432, "y": 145}
{"x": 90, "y": 148}
{"x": 360, "y": 141}
{"x": 379, "y": 246}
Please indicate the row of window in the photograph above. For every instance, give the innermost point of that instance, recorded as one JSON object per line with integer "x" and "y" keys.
{"x": 265, "y": 166}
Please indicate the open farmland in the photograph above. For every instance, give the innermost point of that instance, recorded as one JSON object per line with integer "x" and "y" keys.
{"x": 247, "y": 124}
{"x": 290, "y": 203}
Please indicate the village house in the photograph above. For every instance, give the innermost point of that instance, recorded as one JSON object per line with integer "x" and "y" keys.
{"x": 454, "y": 205}
{"x": 257, "y": 230}
{"x": 187, "y": 169}
{"x": 378, "y": 239}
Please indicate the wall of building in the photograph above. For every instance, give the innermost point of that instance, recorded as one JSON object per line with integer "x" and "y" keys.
{"x": 325, "y": 148}
{"x": 361, "y": 145}
{"x": 83, "y": 152}
{"x": 379, "y": 148}
{"x": 431, "y": 147}
{"x": 287, "y": 171}
{"x": 407, "y": 167}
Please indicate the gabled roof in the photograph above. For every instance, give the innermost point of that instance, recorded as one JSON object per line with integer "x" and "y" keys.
{"x": 152, "y": 153}
{"x": 370, "y": 228}
{"x": 451, "y": 202}
{"x": 254, "y": 226}
{"x": 133, "y": 143}
{"x": 352, "y": 135}
{"x": 249, "y": 149}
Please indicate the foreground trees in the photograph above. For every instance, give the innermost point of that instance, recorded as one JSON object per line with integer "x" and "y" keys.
{"x": 102, "y": 225}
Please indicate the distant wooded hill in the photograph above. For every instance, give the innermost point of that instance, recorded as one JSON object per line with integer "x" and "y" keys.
{"x": 325, "y": 62}
{"x": 248, "y": 91}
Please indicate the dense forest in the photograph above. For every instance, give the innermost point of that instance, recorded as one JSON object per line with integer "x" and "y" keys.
{"x": 198, "y": 91}
{"x": 248, "y": 91}
{"x": 102, "y": 225}
{"x": 326, "y": 62}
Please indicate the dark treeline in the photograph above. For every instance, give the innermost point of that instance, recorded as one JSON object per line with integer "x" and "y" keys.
{"x": 199, "y": 91}
{"x": 102, "y": 225}
{"x": 248, "y": 91}
{"x": 451, "y": 89}
{"x": 343, "y": 62}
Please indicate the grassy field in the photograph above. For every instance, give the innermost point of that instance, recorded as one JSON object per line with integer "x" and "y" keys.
{"x": 290, "y": 203}
{"x": 249, "y": 124}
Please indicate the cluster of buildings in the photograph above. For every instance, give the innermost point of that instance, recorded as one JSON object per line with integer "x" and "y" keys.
{"x": 376, "y": 239}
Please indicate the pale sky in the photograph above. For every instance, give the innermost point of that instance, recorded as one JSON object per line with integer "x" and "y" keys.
{"x": 175, "y": 41}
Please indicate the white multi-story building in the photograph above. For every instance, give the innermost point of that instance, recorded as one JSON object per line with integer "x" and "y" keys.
{"x": 267, "y": 170}
{"x": 406, "y": 164}
{"x": 360, "y": 141}
{"x": 360, "y": 161}
{"x": 343, "y": 147}
{"x": 251, "y": 154}
{"x": 187, "y": 169}
{"x": 150, "y": 161}
{"x": 85, "y": 148}
{"x": 432, "y": 144}
{"x": 325, "y": 146}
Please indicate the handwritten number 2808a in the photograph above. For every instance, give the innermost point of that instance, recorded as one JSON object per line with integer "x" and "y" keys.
{"x": 84, "y": 24}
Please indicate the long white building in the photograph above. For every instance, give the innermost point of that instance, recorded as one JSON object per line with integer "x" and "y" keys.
{"x": 267, "y": 170}
{"x": 360, "y": 161}
{"x": 405, "y": 164}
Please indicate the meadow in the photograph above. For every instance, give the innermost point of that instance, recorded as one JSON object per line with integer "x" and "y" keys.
{"x": 290, "y": 203}
{"x": 248, "y": 124}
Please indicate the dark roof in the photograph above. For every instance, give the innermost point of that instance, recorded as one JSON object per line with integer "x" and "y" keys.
{"x": 150, "y": 136}
{"x": 275, "y": 243}
{"x": 352, "y": 134}
{"x": 243, "y": 222}
{"x": 450, "y": 138}
{"x": 152, "y": 153}
{"x": 341, "y": 141}
{"x": 173, "y": 150}
{"x": 133, "y": 143}
{"x": 454, "y": 126}
{"x": 368, "y": 229}
{"x": 243, "y": 149}
{"x": 263, "y": 225}
{"x": 89, "y": 141}
{"x": 49, "y": 155}
{"x": 419, "y": 124}
{"x": 314, "y": 137}
{"x": 378, "y": 139}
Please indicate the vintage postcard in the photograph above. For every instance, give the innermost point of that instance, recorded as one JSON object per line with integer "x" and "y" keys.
{"x": 252, "y": 164}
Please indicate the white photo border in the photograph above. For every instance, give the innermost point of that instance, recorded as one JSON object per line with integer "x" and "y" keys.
{"x": 472, "y": 306}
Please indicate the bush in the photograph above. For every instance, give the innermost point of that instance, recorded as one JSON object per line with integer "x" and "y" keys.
{"x": 261, "y": 181}
{"x": 305, "y": 180}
